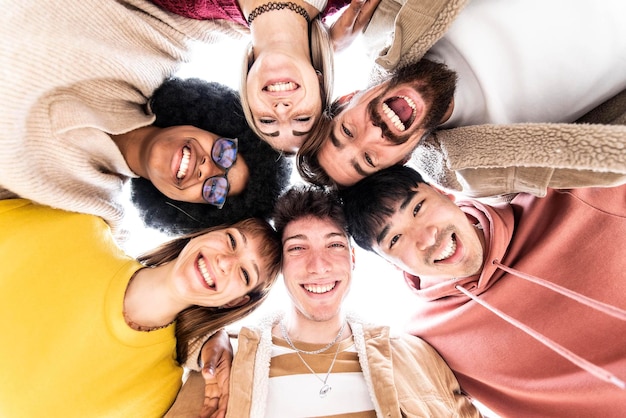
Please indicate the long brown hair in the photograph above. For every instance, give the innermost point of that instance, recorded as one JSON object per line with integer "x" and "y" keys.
{"x": 198, "y": 321}
{"x": 307, "y": 162}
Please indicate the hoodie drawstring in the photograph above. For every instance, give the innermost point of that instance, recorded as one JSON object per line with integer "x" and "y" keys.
{"x": 593, "y": 369}
{"x": 585, "y": 300}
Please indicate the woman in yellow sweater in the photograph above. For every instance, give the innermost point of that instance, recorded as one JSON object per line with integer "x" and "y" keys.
{"x": 90, "y": 331}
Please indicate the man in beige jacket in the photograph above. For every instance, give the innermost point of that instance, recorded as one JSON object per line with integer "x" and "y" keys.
{"x": 317, "y": 360}
{"x": 505, "y": 129}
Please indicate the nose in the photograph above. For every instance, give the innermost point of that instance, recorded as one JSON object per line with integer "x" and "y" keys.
{"x": 225, "y": 263}
{"x": 203, "y": 168}
{"x": 372, "y": 134}
{"x": 207, "y": 168}
{"x": 282, "y": 106}
{"x": 317, "y": 263}
{"x": 424, "y": 237}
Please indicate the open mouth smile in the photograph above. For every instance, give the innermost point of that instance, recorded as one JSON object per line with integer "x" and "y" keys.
{"x": 401, "y": 111}
{"x": 204, "y": 271}
{"x": 281, "y": 86}
{"x": 318, "y": 288}
{"x": 449, "y": 250}
{"x": 184, "y": 163}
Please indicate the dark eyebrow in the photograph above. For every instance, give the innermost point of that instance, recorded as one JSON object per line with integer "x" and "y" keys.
{"x": 254, "y": 264}
{"x": 297, "y": 236}
{"x": 359, "y": 170}
{"x": 337, "y": 144}
{"x": 334, "y": 140}
{"x": 380, "y": 237}
{"x": 302, "y": 236}
{"x": 383, "y": 233}
{"x": 277, "y": 133}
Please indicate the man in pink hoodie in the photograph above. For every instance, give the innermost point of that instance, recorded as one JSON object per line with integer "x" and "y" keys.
{"x": 526, "y": 301}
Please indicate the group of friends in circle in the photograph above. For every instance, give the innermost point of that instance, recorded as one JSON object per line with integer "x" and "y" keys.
{"x": 532, "y": 142}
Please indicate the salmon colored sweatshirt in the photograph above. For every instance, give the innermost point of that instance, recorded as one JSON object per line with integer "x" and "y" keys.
{"x": 542, "y": 330}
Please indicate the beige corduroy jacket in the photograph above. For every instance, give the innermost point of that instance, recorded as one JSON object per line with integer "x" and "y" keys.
{"x": 405, "y": 376}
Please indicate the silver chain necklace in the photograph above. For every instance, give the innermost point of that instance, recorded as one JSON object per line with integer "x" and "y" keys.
{"x": 325, "y": 386}
{"x": 283, "y": 330}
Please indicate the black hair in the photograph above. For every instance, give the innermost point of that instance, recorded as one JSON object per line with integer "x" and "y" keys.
{"x": 307, "y": 200}
{"x": 370, "y": 202}
{"x": 215, "y": 108}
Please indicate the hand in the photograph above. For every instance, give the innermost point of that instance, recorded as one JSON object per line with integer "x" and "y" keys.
{"x": 217, "y": 358}
{"x": 351, "y": 22}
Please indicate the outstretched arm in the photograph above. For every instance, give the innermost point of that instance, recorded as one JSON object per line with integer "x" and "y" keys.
{"x": 351, "y": 22}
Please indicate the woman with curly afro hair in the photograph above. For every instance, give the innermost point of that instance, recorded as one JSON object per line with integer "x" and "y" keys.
{"x": 199, "y": 163}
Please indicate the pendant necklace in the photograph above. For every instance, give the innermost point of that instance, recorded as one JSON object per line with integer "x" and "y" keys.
{"x": 325, "y": 386}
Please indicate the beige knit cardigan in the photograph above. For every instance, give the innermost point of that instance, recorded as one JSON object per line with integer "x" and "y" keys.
{"x": 74, "y": 72}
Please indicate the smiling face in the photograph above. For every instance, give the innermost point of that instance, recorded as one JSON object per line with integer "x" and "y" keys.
{"x": 219, "y": 267}
{"x": 382, "y": 126}
{"x": 177, "y": 160}
{"x": 429, "y": 236}
{"x": 317, "y": 267}
{"x": 378, "y": 128}
{"x": 284, "y": 96}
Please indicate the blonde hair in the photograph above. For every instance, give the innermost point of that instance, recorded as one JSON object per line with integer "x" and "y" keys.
{"x": 198, "y": 321}
{"x": 322, "y": 60}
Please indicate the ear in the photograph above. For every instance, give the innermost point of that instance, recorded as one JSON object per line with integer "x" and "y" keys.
{"x": 448, "y": 113}
{"x": 347, "y": 97}
{"x": 237, "y": 302}
{"x": 443, "y": 192}
{"x": 411, "y": 280}
{"x": 405, "y": 159}
{"x": 353, "y": 256}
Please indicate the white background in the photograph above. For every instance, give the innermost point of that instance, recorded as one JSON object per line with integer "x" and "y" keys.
{"x": 378, "y": 290}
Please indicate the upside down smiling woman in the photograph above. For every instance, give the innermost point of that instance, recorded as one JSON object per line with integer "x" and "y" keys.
{"x": 287, "y": 74}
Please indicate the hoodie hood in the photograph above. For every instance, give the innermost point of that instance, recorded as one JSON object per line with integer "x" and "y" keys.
{"x": 495, "y": 222}
{"x": 498, "y": 224}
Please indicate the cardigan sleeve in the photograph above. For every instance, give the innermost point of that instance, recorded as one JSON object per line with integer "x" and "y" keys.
{"x": 402, "y": 31}
{"x": 489, "y": 160}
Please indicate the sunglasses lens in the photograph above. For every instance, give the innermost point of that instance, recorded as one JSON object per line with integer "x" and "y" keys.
{"x": 224, "y": 152}
{"x": 215, "y": 190}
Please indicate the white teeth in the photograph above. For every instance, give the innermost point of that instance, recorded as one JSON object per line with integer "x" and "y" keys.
{"x": 283, "y": 86}
{"x": 393, "y": 117}
{"x": 410, "y": 102}
{"x": 184, "y": 163}
{"x": 315, "y": 288}
{"x": 205, "y": 272}
{"x": 449, "y": 250}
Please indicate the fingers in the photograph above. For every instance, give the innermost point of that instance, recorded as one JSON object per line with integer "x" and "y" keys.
{"x": 215, "y": 350}
{"x": 351, "y": 22}
{"x": 366, "y": 11}
{"x": 217, "y": 356}
{"x": 214, "y": 407}
{"x": 209, "y": 407}
{"x": 212, "y": 394}
{"x": 352, "y": 12}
